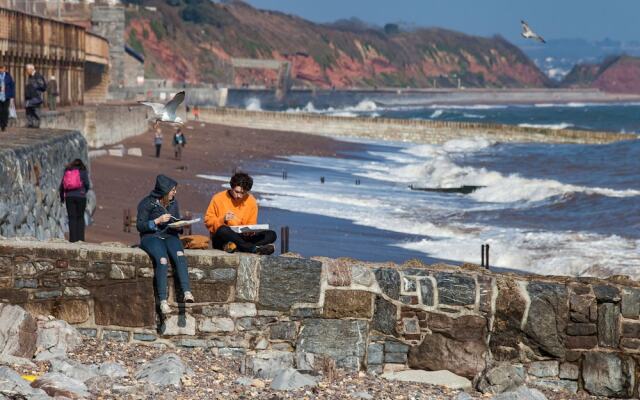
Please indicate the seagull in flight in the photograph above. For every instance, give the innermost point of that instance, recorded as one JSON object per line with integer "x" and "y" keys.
{"x": 167, "y": 112}
{"x": 529, "y": 34}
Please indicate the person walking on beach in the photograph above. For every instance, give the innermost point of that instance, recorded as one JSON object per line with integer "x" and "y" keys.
{"x": 73, "y": 192}
{"x": 196, "y": 113}
{"x": 157, "y": 141}
{"x": 7, "y": 94}
{"x": 34, "y": 87}
{"x": 52, "y": 93}
{"x": 155, "y": 213}
{"x": 234, "y": 207}
{"x": 179, "y": 141}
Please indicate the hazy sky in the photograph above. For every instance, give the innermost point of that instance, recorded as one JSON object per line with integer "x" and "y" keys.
{"x": 588, "y": 19}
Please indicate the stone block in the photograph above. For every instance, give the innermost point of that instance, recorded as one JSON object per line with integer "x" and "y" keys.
{"x": 125, "y": 304}
{"x": 48, "y": 294}
{"x": 216, "y": 325}
{"x": 630, "y": 305}
{"x": 193, "y": 343}
{"x": 412, "y": 300}
{"x": 238, "y": 310}
{"x": 631, "y": 329}
{"x": 456, "y": 289}
{"x": 283, "y": 331}
{"x": 337, "y": 339}
{"x": 410, "y": 326}
{"x": 485, "y": 286}
{"x": 182, "y": 324}
{"x": 72, "y": 311}
{"x": 608, "y": 374}
{"x": 196, "y": 274}
{"x": 409, "y": 284}
{"x": 144, "y": 337}
{"x": 509, "y": 310}
{"x": 76, "y": 291}
{"x": 426, "y": 292}
{"x": 391, "y": 346}
{"x": 548, "y": 315}
{"x": 88, "y": 332}
{"x": 503, "y": 377}
{"x": 608, "y": 326}
{"x": 211, "y": 292}
{"x": 116, "y": 336}
{"x": 246, "y": 323}
{"x": 581, "y": 342}
{"x": 389, "y": 282}
{"x": 13, "y": 296}
{"x": 395, "y": 358}
{"x": 287, "y": 281}
{"x": 247, "y": 278}
{"x": 232, "y": 352}
{"x": 25, "y": 283}
{"x": 362, "y": 275}
{"x": 25, "y": 269}
{"x": 556, "y": 385}
{"x": 581, "y": 329}
{"x": 348, "y": 304}
{"x": 384, "y": 317}
{"x": 338, "y": 273}
{"x": 145, "y": 272}
{"x": 218, "y": 310}
{"x": 122, "y": 271}
{"x": 223, "y": 274}
{"x": 569, "y": 371}
{"x": 438, "y": 352}
{"x": 266, "y": 364}
{"x": 580, "y": 318}
{"x": 581, "y": 303}
{"x": 375, "y": 354}
{"x": 606, "y": 293}
{"x": 544, "y": 369}
{"x": 630, "y": 344}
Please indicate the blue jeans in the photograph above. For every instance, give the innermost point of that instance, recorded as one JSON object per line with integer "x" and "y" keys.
{"x": 161, "y": 250}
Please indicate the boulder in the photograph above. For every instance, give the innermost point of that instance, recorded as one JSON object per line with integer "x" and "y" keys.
{"x": 608, "y": 374}
{"x": 547, "y": 318}
{"x": 56, "y": 337}
{"x": 438, "y": 378}
{"x": 502, "y": 378}
{"x": 438, "y": 352}
{"x": 12, "y": 384}
{"x": 18, "y": 332}
{"x": 73, "y": 369}
{"x": 112, "y": 370}
{"x": 165, "y": 370}
{"x": 521, "y": 393}
{"x": 267, "y": 364}
{"x": 60, "y": 385}
{"x": 290, "y": 379}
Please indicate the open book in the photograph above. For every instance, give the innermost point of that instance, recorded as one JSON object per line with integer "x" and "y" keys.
{"x": 250, "y": 228}
{"x": 183, "y": 222}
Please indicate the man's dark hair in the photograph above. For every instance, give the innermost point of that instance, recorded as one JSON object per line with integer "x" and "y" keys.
{"x": 243, "y": 180}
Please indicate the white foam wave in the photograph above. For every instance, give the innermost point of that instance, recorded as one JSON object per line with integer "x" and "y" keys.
{"x": 452, "y": 146}
{"x": 436, "y": 114}
{"x": 253, "y": 104}
{"x": 469, "y": 106}
{"x": 470, "y": 115}
{"x": 363, "y": 107}
{"x": 561, "y": 125}
{"x": 214, "y": 177}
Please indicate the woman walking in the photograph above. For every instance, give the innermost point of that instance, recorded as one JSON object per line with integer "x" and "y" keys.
{"x": 161, "y": 242}
{"x": 157, "y": 141}
{"x": 73, "y": 192}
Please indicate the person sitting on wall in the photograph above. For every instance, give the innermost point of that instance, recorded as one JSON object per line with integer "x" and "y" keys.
{"x": 234, "y": 207}
{"x": 161, "y": 242}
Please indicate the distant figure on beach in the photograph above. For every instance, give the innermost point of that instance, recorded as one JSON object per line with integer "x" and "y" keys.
{"x": 157, "y": 141}
{"x": 179, "y": 141}
{"x": 7, "y": 94}
{"x": 33, "y": 90}
{"x": 196, "y": 113}
{"x": 73, "y": 192}
{"x": 234, "y": 207}
{"x": 160, "y": 241}
{"x": 52, "y": 93}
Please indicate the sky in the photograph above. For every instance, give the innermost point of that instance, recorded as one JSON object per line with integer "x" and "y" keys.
{"x": 553, "y": 19}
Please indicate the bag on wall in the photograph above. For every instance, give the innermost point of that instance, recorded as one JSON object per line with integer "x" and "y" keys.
{"x": 12, "y": 110}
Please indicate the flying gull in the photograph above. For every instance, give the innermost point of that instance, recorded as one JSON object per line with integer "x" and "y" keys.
{"x": 529, "y": 34}
{"x": 167, "y": 112}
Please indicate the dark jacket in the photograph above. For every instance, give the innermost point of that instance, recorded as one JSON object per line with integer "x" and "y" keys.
{"x": 82, "y": 192}
{"x": 34, "y": 88}
{"x": 9, "y": 86}
{"x": 150, "y": 208}
{"x": 175, "y": 140}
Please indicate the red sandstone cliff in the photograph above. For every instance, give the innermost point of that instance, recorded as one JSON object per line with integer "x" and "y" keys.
{"x": 616, "y": 75}
{"x": 194, "y": 40}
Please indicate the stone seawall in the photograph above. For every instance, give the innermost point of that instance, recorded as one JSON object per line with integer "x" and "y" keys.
{"x": 31, "y": 167}
{"x": 418, "y": 131}
{"x": 556, "y": 332}
{"x": 101, "y": 125}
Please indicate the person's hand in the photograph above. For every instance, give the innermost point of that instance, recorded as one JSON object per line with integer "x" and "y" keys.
{"x": 162, "y": 219}
{"x": 229, "y": 216}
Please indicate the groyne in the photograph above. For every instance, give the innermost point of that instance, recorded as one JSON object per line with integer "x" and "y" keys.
{"x": 31, "y": 167}
{"x": 418, "y": 131}
{"x": 578, "y": 334}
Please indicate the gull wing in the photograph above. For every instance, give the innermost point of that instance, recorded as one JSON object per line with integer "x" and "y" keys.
{"x": 173, "y": 104}
{"x": 158, "y": 108}
{"x": 540, "y": 38}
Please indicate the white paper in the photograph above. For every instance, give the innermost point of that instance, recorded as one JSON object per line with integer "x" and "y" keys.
{"x": 180, "y": 224}
{"x": 250, "y": 228}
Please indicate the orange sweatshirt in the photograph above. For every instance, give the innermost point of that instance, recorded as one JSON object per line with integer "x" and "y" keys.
{"x": 245, "y": 210}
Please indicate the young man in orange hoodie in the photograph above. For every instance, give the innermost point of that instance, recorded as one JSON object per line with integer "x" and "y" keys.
{"x": 235, "y": 207}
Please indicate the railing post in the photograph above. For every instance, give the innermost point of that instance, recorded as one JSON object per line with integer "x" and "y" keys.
{"x": 284, "y": 240}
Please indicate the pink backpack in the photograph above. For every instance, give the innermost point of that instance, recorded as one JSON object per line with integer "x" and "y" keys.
{"x": 71, "y": 180}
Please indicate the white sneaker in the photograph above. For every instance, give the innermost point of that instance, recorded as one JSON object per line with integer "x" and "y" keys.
{"x": 188, "y": 297}
{"x": 164, "y": 307}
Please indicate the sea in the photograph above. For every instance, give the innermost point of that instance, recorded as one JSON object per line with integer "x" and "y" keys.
{"x": 560, "y": 209}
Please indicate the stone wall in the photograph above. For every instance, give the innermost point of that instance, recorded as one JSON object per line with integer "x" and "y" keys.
{"x": 101, "y": 125}
{"x": 418, "y": 131}
{"x": 31, "y": 167}
{"x": 572, "y": 333}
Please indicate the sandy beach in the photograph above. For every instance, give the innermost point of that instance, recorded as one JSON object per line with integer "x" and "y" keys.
{"x": 121, "y": 182}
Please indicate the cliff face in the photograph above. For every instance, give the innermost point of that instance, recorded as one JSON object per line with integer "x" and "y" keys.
{"x": 617, "y": 75}
{"x": 194, "y": 40}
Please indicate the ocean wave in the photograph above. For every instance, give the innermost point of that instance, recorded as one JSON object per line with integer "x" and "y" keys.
{"x": 470, "y": 115}
{"x": 468, "y": 107}
{"x": 363, "y": 107}
{"x": 253, "y": 104}
{"x": 452, "y": 146}
{"x": 561, "y": 125}
{"x": 436, "y": 114}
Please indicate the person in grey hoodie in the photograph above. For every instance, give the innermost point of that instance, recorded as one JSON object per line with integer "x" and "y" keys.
{"x": 155, "y": 212}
